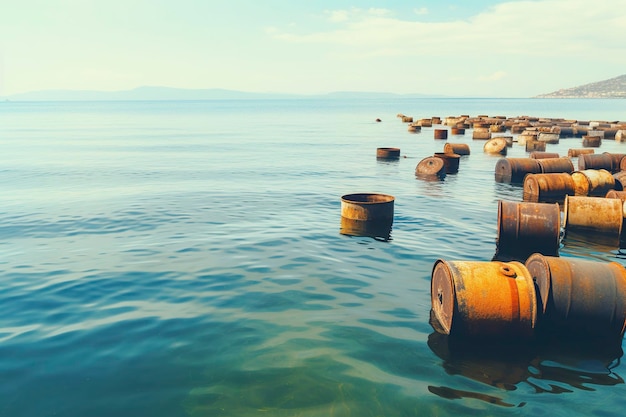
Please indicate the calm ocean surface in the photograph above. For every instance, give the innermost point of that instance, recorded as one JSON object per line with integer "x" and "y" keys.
{"x": 184, "y": 259}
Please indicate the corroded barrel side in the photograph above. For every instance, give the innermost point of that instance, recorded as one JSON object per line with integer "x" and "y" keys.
{"x": 457, "y": 148}
{"x": 549, "y": 165}
{"x": 367, "y": 206}
{"x": 515, "y": 169}
{"x": 548, "y": 188}
{"x": 388, "y": 153}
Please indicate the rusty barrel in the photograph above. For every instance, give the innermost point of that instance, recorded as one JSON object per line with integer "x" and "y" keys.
{"x": 525, "y": 228}
{"x": 592, "y": 141}
{"x": 535, "y": 145}
{"x": 616, "y": 194}
{"x": 579, "y": 297}
{"x": 441, "y": 133}
{"x": 495, "y": 145}
{"x": 431, "y": 165}
{"x": 369, "y": 207}
{"x": 616, "y": 161}
{"x": 515, "y": 169}
{"x": 595, "y": 161}
{"x": 375, "y": 229}
{"x": 450, "y": 160}
{"x": 457, "y": 148}
{"x": 620, "y": 180}
{"x": 414, "y": 128}
{"x": 543, "y": 155}
{"x": 594, "y": 215}
{"x": 388, "y": 153}
{"x": 457, "y": 130}
{"x": 476, "y": 299}
{"x": 575, "y": 153}
{"x": 549, "y": 165}
{"x": 593, "y": 182}
{"x": 547, "y": 188}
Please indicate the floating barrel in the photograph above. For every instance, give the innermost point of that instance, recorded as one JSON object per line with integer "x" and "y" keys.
{"x": 495, "y": 145}
{"x": 457, "y": 148}
{"x": 425, "y": 122}
{"x": 374, "y": 229}
{"x": 548, "y": 188}
{"x": 617, "y": 194}
{"x": 592, "y": 141}
{"x": 543, "y": 155}
{"x": 593, "y": 182}
{"x": 620, "y": 135}
{"x": 548, "y": 137}
{"x": 413, "y": 128}
{"x": 457, "y": 131}
{"x": 549, "y": 165}
{"x": 481, "y": 134}
{"x": 441, "y": 133}
{"x": 407, "y": 119}
{"x": 431, "y": 166}
{"x": 367, "y": 206}
{"x": 620, "y": 181}
{"x": 616, "y": 161}
{"x": 573, "y": 153}
{"x": 515, "y": 169}
{"x": 494, "y": 299}
{"x": 595, "y": 161}
{"x": 388, "y": 153}
{"x": 525, "y": 228}
{"x": 599, "y": 215}
{"x": 579, "y": 297}
{"x": 535, "y": 145}
{"x": 450, "y": 160}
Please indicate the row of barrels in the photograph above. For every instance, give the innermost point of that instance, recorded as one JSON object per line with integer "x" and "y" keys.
{"x": 546, "y": 295}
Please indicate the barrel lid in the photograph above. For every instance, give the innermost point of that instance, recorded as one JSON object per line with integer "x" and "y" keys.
{"x": 495, "y": 145}
{"x": 539, "y": 269}
{"x": 431, "y": 165}
{"x": 442, "y": 295}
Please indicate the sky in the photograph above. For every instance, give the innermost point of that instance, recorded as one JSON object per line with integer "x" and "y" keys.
{"x": 458, "y": 48}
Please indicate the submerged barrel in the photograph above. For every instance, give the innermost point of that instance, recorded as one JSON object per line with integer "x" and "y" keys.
{"x": 475, "y": 299}
{"x": 593, "y": 182}
{"x": 580, "y": 298}
{"x": 525, "y": 228}
{"x": 495, "y": 145}
{"x": 594, "y": 215}
{"x": 592, "y": 141}
{"x": 535, "y": 145}
{"x": 574, "y": 153}
{"x": 457, "y": 130}
{"x": 388, "y": 153}
{"x": 431, "y": 166}
{"x": 457, "y": 148}
{"x": 595, "y": 161}
{"x": 548, "y": 188}
{"x": 370, "y": 207}
{"x": 515, "y": 169}
{"x": 549, "y": 165}
{"x": 543, "y": 155}
{"x": 450, "y": 160}
{"x": 441, "y": 133}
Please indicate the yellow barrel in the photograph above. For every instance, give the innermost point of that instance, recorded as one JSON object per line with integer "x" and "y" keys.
{"x": 549, "y": 165}
{"x": 593, "y": 182}
{"x": 368, "y": 207}
{"x": 495, "y": 145}
{"x": 457, "y": 148}
{"x": 494, "y": 299}
{"x": 547, "y": 188}
{"x": 580, "y": 298}
{"x": 593, "y": 215}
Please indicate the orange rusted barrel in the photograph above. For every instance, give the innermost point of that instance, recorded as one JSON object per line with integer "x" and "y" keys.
{"x": 592, "y": 141}
{"x": 573, "y": 153}
{"x": 441, "y": 133}
{"x": 595, "y": 161}
{"x": 495, "y": 145}
{"x": 388, "y": 153}
{"x": 515, "y": 169}
{"x": 369, "y": 207}
{"x": 431, "y": 165}
{"x": 481, "y": 134}
{"x": 457, "y": 148}
{"x": 616, "y": 161}
{"x": 535, "y": 145}
{"x": 450, "y": 160}
{"x": 593, "y": 182}
{"x": 616, "y": 194}
{"x": 457, "y": 131}
{"x": 477, "y": 299}
{"x": 580, "y": 297}
{"x": 525, "y": 228}
{"x": 597, "y": 215}
{"x": 548, "y": 188}
{"x": 620, "y": 181}
{"x": 543, "y": 155}
{"x": 413, "y": 128}
{"x": 549, "y": 165}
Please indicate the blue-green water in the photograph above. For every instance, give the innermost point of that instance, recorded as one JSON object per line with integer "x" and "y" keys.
{"x": 184, "y": 259}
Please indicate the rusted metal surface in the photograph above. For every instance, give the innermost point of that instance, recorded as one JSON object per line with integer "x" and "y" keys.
{"x": 367, "y": 207}
{"x": 543, "y": 155}
{"x": 525, "y": 228}
{"x": 573, "y": 153}
{"x": 595, "y": 161}
{"x": 431, "y": 166}
{"x": 548, "y": 188}
{"x": 514, "y": 170}
{"x": 620, "y": 180}
{"x": 441, "y": 133}
{"x": 621, "y": 195}
{"x": 457, "y": 131}
{"x": 495, "y": 145}
{"x": 616, "y": 161}
{"x": 549, "y": 165}
{"x": 388, "y": 153}
{"x": 593, "y": 215}
{"x": 457, "y": 148}
{"x": 535, "y": 145}
{"x": 592, "y": 141}
{"x": 579, "y": 297}
{"x": 593, "y": 182}
{"x": 495, "y": 299}
{"x": 378, "y": 229}
{"x": 451, "y": 161}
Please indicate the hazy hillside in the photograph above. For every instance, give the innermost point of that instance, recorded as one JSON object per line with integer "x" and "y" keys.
{"x": 611, "y": 88}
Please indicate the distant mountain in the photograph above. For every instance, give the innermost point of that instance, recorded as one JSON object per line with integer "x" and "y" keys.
{"x": 611, "y": 88}
{"x": 169, "y": 93}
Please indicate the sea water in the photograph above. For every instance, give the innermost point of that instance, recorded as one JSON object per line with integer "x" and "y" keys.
{"x": 185, "y": 259}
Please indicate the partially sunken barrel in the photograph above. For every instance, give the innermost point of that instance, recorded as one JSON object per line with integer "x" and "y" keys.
{"x": 388, "y": 153}
{"x": 548, "y": 188}
{"x": 593, "y": 215}
{"x": 441, "y": 133}
{"x": 367, "y": 207}
{"x": 573, "y": 153}
{"x": 580, "y": 298}
{"x": 535, "y": 145}
{"x": 595, "y": 161}
{"x": 515, "y": 169}
{"x": 549, "y": 165}
{"x": 450, "y": 160}
{"x": 495, "y": 145}
{"x": 543, "y": 155}
{"x": 431, "y": 165}
{"x": 592, "y": 141}
{"x": 476, "y": 299}
{"x": 525, "y": 228}
{"x": 457, "y": 131}
{"x": 593, "y": 182}
{"x": 457, "y": 148}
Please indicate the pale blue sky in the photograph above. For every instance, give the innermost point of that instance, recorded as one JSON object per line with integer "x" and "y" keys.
{"x": 455, "y": 48}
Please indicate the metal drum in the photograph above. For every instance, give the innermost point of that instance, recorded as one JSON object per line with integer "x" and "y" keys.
{"x": 431, "y": 166}
{"x": 495, "y": 145}
{"x": 592, "y": 141}
{"x": 580, "y": 298}
{"x": 574, "y": 153}
{"x": 595, "y": 161}
{"x": 367, "y": 207}
{"x": 457, "y": 148}
{"x": 388, "y": 153}
{"x": 495, "y": 299}
{"x": 594, "y": 215}
{"x": 441, "y": 133}
{"x": 543, "y": 155}
{"x": 515, "y": 169}
{"x": 593, "y": 182}
{"x": 549, "y": 165}
{"x": 548, "y": 188}
{"x": 450, "y": 160}
{"x": 525, "y": 228}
